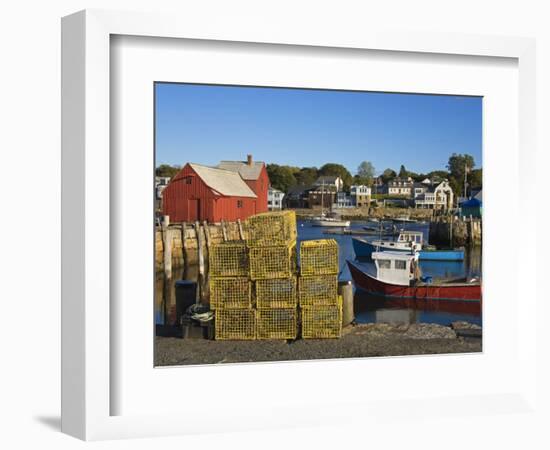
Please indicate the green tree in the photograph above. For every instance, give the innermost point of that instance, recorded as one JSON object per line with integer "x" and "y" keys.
{"x": 475, "y": 178}
{"x": 458, "y": 164}
{"x": 403, "y": 172}
{"x": 357, "y": 179}
{"x": 337, "y": 170}
{"x": 166, "y": 170}
{"x": 306, "y": 176}
{"x": 366, "y": 172}
{"x": 438, "y": 175}
{"x": 388, "y": 175}
{"x": 281, "y": 177}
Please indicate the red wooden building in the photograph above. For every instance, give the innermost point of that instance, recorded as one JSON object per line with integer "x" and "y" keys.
{"x": 205, "y": 193}
{"x": 255, "y": 175}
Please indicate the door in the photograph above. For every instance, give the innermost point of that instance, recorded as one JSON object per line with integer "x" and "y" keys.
{"x": 193, "y": 210}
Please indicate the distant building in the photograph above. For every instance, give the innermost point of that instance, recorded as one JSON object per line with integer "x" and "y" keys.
{"x": 275, "y": 199}
{"x": 399, "y": 186}
{"x": 160, "y": 184}
{"x": 254, "y": 173}
{"x": 199, "y": 193}
{"x": 421, "y": 187}
{"x": 323, "y": 196}
{"x": 298, "y": 197}
{"x": 329, "y": 181}
{"x": 343, "y": 200}
{"x": 434, "y": 196}
{"x": 360, "y": 195}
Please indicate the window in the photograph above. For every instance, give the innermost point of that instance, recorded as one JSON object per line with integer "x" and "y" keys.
{"x": 188, "y": 180}
{"x": 384, "y": 263}
{"x": 400, "y": 265}
{"x": 239, "y": 203}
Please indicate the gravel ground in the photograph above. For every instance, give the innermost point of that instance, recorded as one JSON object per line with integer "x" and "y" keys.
{"x": 357, "y": 341}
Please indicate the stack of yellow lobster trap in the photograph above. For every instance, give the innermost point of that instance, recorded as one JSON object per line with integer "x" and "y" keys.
{"x": 254, "y": 285}
{"x": 320, "y": 304}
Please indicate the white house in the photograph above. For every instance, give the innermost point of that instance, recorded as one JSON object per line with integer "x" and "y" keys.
{"x": 275, "y": 199}
{"x": 360, "y": 195}
{"x": 343, "y": 200}
{"x": 160, "y": 184}
{"x": 400, "y": 186}
{"x": 435, "y": 196}
{"x": 330, "y": 181}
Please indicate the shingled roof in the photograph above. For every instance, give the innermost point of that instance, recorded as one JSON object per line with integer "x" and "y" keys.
{"x": 226, "y": 182}
{"x": 246, "y": 171}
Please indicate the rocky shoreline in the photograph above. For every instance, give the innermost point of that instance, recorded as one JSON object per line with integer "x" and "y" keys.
{"x": 363, "y": 340}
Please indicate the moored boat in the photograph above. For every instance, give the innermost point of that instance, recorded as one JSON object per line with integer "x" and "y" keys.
{"x": 396, "y": 275}
{"x": 329, "y": 222}
{"x": 407, "y": 242}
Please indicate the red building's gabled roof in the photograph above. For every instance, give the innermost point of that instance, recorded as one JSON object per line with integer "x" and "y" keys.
{"x": 247, "y": 171}
{"x": 224, "y": 182}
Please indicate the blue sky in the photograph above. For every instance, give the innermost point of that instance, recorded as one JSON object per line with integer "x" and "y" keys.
{"x": 298, "y": 127}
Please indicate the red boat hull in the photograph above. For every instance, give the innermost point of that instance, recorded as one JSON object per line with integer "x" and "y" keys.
{"x": 433, "y": 292}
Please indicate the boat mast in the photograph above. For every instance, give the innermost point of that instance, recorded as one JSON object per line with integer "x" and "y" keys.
{"x": 322, "y": 198}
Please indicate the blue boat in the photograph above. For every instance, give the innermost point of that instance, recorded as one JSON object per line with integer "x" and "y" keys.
{"x": 364, "y": 249}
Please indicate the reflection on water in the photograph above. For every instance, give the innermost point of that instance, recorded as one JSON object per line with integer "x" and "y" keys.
{"x": 368, "y": 308}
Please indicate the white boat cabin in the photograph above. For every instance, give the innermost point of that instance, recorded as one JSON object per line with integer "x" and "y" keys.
{"x": 395, "y": 267}
{"x": 411, "y": 236}
{"x": 407, "y": 241}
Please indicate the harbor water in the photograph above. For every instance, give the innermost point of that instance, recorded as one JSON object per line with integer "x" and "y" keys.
{"x": 368, "y": 308}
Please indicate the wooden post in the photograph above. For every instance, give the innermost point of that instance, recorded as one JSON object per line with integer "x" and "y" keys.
{"x": 207, "y": 235}
{"x": 224, "y": 230}
{"x": 241, "y": 234}
{"x": 200, "y": 279}
{"x": 167, "y": 251}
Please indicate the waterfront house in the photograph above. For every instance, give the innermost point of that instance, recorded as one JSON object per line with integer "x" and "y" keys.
{"x": 297, "y": 197}
{"x": 160, "y": 184}
{"x": 360, "y": 195}
{"x": 201, "y": 193}
{"x": 324, "y": 196}
{"x": 254, "y": 173}
{"x": 275, "y": 199}
{"x": 330, "y": 181}
{"x": 343, "y": 200}
{"x": 434, "y": 196}
{"x": 399, "y": 186}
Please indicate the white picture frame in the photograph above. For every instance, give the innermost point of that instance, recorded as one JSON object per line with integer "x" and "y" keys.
{"x": 87, "y": 315}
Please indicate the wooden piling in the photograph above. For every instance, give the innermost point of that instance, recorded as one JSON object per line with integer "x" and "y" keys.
{"x": 167, "y": 252}
{"x": 200, "y": 284}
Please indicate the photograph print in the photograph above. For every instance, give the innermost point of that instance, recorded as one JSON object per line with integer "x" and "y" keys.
{"x": 308, "y": 224}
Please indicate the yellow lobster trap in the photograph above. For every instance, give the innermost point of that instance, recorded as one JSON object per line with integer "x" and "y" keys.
{"x": 271, "y": 228}
{"x": 235, "y": 324}
{"x": 276, "y": 293}
{"x": 319, "y": 257}
{"x": 278, "y": 261}
{"x": 318, "y": 290}
{"x": 276, "y": 323}
{"x": 322, "y": 322}
{"x": 228, "y": 259}
{"x": 230, "y": 293}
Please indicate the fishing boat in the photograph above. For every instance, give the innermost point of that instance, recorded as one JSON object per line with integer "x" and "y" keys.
{"x": 397, "y": 275}
{"x": 407, "y": 242}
